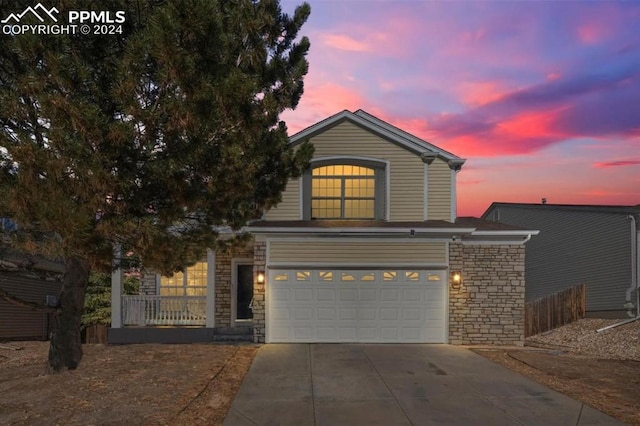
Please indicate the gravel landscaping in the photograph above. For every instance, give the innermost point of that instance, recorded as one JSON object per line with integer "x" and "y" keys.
{"x": 580, "y": 337}
{"x": 600, "y": 369}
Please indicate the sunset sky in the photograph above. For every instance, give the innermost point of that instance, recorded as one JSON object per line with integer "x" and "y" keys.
{"x": 541, "y": 98}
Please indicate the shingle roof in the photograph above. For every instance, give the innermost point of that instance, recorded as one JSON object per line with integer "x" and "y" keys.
{"x": 486, "y": 225}
{"x": 571, "y": 207}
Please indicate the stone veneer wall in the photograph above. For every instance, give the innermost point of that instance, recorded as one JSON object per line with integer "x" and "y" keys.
{"x": 259, "y": 267}
{"x": 148, "y": 284}
{"x": 489, "y": 306}
{"x": 223, "y": 282}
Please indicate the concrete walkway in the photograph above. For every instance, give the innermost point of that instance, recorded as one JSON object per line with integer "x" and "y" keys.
{"x": 350, "y": 384}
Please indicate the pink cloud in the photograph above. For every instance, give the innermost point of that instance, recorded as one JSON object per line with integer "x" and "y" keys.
{"x": 321, "y": 101}
{"x": 521, "y": 133}
{"x": 480, "y": 92}
{"x": 603, "y": 193}
{"x": 344, "y": 42}
{"x": 553, "y": 76}
{"x": 591, "y": 33}
{"x": 416, "y": 126}
{"x": 472, "y": 37}
{"x": 528, "y": 124}
{"x": 595, "y": 28}
{"x": 617, "y": 163}
{"x": 395, "y": 36}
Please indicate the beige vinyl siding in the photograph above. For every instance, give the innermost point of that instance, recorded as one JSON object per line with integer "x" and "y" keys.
{"x": 407, "y": 170}
{"x": 343, "y": 252}
{"x": 289, "y": 207}
{"x": 439, "y": 191}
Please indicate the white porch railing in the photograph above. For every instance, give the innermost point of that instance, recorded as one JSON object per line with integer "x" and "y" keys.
{"x": 164, "y": 310}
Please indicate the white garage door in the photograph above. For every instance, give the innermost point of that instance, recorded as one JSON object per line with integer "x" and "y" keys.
{"x": 389, "y": 305}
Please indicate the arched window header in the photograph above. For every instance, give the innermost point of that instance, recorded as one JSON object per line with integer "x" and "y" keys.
{"x": 364, "y": 162}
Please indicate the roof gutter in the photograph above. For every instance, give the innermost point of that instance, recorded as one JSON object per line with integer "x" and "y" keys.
{"x": 500, "y": 233}
{"x": 359, "y": 231}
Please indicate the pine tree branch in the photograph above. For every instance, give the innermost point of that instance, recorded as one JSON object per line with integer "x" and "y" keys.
{"x": 38, "y": 307}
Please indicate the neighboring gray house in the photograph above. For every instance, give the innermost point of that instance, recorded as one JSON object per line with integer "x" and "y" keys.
{"x": 19, "y": 323}
{"x": 577, "y": 244}
{"x": 30, "y": 278}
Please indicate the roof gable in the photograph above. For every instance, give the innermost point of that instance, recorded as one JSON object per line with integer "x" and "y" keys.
{"x": 385, "y": 130}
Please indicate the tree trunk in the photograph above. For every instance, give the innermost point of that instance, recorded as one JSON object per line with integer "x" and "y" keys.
{"x": 65, "y": 351}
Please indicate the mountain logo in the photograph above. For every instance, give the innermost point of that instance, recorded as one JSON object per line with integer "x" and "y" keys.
{"x": 38, "y": 11}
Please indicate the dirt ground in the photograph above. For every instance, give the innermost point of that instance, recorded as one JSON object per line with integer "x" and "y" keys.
{"x": 195, "y": 384}
{"x": 599, "y": 369}
{"x": 132, "y": 384}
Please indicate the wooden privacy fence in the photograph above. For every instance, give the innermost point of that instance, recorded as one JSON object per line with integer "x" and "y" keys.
{"x": 96, "y": 333}
{"x": 555, "y": 310}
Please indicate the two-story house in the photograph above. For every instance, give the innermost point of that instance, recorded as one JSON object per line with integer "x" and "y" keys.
{"x": 364, "y": 247}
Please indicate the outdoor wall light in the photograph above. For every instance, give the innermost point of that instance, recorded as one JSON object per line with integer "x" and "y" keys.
{"x": 456, "y": 279}
{"x": 260, "y": 278}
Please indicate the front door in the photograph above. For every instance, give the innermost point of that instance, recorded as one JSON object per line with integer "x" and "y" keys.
{"x": 244, "y": 293}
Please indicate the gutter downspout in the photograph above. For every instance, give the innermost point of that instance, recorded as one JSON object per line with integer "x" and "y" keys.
{"x": 635, "y": 271}
{"x": 635, "y": 219}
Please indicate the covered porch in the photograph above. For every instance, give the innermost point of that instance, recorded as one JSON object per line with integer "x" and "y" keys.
{"x": 207, "y": 301}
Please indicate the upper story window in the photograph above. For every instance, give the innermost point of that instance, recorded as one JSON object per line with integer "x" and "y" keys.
{"x": 343, "y": 192}
{"x": 344, "y": 189}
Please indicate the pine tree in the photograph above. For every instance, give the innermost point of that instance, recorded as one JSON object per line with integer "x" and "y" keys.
{"x": 97, "y": 301}
{"x": 150, "y": 139}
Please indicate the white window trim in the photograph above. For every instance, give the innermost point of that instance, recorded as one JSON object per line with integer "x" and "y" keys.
{"x": 344, "y": 159}
{"x": 184, "y": 277}
{"x": 343, "y": 198}
{"x": 210, "y": 321}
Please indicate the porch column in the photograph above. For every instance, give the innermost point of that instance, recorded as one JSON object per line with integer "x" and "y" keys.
{"x": 116, "y": 288}
{"x": 210, "y": 322}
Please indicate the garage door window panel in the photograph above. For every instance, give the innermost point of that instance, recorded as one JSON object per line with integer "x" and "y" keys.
{"x": 303, "y": 276}
{"x": 412, "y": 276}
{"x": 347, "y": 277}
{"x": 325, "y": 276}
{"x": 390, "y": 276}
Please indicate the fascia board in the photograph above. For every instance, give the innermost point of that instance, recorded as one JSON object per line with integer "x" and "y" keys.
{"x": 361, "y": 231}
{"x": 506, "y": 241}
{"x": 394, "y": 137}
{"x": 401, "y": 133}
{"x": 504, "y": 233}
{"x": 319, "y": 126}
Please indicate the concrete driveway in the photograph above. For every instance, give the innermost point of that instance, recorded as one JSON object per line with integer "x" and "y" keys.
{"x": 351, "y": 384}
